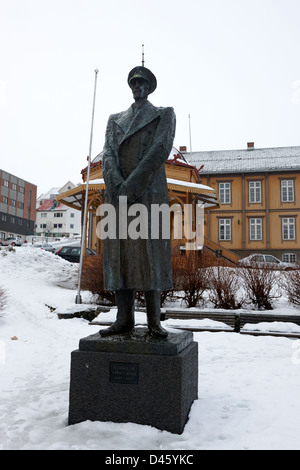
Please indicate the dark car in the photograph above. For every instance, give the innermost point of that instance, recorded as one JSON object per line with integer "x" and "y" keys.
{"x": 72, "y": 253}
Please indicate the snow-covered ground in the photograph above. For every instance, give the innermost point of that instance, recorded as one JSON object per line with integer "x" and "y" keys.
{"x": 248, "y": 386}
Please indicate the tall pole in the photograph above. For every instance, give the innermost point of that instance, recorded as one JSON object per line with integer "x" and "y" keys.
{"x": 190, "y": 133}
{"x": 78, "y": 296}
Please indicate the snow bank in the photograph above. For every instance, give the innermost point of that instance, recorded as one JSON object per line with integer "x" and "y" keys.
{"x": 276, "y": 326}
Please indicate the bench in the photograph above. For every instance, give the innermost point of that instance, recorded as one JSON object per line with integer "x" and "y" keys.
{"x": 228, "y": 319}
{"x": 255, "y": 318}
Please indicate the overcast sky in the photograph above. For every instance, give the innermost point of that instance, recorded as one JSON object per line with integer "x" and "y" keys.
{"x": 232, "y": 65}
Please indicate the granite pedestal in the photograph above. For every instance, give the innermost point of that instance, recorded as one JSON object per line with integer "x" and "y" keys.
{"x": 135, "y": 378}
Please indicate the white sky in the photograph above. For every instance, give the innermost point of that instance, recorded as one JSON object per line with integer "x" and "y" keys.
{"x": 233, "y": 65}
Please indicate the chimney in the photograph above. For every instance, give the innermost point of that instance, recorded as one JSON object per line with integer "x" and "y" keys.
{"x": 182, "y": 149}
{"x": 250, "y": 145}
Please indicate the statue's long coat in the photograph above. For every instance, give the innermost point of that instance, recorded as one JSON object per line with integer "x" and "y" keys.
{"x": 136, "y": 148}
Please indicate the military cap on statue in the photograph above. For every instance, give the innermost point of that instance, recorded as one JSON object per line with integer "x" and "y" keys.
{"x": 142, "y": 72}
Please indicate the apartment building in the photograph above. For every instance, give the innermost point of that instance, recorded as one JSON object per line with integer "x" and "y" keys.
{"x": 54, "y": 219}
{"x": 17, "y": 206}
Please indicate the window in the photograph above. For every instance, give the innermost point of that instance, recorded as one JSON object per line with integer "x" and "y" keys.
{"x": 22, "y": 189}
{"x": 289, "y": 257}
{"x": 3, "y": 218}
{"x": 21, "y": 205}
{"x": 72, "y": 215}
{"x": 43, "y": 214}
{"x": 2, "y": 235}
{"x": 13, "y": 203}
{"x": 12, "y": 220}
{"x": 255, "y": 226}
{"x": 4, "y": 200}
{"x": 287, "y": 191}
{"x": 254, "y": 192}
{"x": 43, "y": 226}
{"x": 14, "y": 186}
{"x": 58, "y": 214}
{"x": 288, "y": 228}
{"x": 71, "y": 225}
{"x": 225, "y": 193}
{"x": 225, "y": 229}
{"x": 6, "y": 183}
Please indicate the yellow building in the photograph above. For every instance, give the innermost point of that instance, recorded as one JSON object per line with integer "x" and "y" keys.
{"x": 183, "y": 185}
{"x": 259, "y": 191}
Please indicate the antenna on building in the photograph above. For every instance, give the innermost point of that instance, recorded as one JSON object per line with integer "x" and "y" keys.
{"x": 190, "y": 133}
{"x": 78, "y": 297}
{"x": 143, "y": 56}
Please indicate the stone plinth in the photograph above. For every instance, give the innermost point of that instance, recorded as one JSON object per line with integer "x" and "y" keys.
{"x": 135, "y": 378}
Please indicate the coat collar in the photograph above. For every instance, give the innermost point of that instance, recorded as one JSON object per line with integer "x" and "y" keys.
{"x": 131, "y": 123}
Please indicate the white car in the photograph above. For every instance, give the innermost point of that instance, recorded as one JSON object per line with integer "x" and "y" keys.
{"x": 269, "y": 261}
{"x": 13, "y": 241}
{"x": 45, "y": 246}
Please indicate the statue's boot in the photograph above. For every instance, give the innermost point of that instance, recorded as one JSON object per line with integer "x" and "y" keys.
{"x": 125, "y": 314}
{"x": 153, "y": 314}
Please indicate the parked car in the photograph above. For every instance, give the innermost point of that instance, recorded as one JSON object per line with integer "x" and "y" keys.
{"x": 72, "y": 253}
{"x": 14, "y": 241}
{"x": 270, "y": 261}
{"x": 45, "y": 246}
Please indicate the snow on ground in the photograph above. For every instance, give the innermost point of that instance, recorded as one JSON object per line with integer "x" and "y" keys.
{"x": 248, "y": 386}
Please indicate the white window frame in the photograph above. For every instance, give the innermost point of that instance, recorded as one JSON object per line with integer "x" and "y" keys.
{"x": 288, "y": 228}
{"x": 289, "y": 257}
{"x": 255, "y": 228}
{"x": 225, "y": 192}
{"x": 254, "y": 192}
{"x": 225, "y": 229}
{"x": 287, "y": 191}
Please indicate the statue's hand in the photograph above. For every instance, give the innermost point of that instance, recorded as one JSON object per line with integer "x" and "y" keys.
{"x": 125, "y": 191}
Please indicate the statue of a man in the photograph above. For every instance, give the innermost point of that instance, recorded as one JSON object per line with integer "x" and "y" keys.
{"x": 138, "y": 143}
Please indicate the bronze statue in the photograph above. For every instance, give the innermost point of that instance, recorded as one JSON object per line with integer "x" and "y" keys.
{"x": 138, "y": 143}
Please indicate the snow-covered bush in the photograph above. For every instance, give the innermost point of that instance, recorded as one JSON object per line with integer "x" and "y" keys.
{"x": 291, "y": 286}
{"x": 261, "y": 285}
{"x": 92, "y": 280}
{"x": 224, "y": 288}
{"x": 2, "y": 299}
{"x": 190, "y": 278}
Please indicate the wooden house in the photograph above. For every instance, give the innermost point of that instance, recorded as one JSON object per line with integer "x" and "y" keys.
{"x": 259, "y": 192}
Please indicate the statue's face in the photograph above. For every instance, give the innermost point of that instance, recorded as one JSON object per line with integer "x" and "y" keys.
{"x": 140, "y": 88}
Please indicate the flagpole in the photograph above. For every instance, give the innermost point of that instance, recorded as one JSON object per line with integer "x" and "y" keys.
{"x": 78, "y": 296}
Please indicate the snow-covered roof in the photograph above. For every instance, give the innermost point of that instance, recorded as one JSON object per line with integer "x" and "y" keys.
{"x": 51, "y": 205}
{"x": 51, "y": 192}
{"x": 205, "y": 193}
{"x": 247, "y": 160}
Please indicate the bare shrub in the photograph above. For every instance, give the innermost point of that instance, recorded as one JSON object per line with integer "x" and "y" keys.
{"x": 190, "y": 277}
{"x": 260, "y": 284}
{"x": 291, "y": 286}
{"x": 224, "y": 288}
{"x": 92, "y": 280}
{"x": 3, "y": 299}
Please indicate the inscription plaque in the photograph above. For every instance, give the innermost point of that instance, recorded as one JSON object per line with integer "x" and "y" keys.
{"x": 124, "y": 373}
